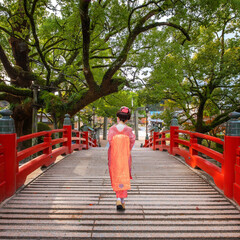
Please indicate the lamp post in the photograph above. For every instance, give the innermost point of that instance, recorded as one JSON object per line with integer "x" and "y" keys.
{"x": 146, "y": 110}
{"x": 93, "y": 108}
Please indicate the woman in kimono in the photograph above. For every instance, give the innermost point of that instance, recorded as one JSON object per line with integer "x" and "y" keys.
{"x": 121, "y": 140}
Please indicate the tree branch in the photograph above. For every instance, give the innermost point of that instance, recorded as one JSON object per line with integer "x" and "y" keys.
{"x": 61, "y": 77}
{"x": 132, "y": 36}
{"x": 11, "y": 71}
{"x": 139, "y": 7}
{"x": 222, "y": 118}
{"x": 34, "y": 6}
{"x": 37, "y": 44}
{"x": 4, "y": 9}
{"x": 85, "y": 21}
{"x": 158, "y": 24}
{"x": 10, "y": 98}
{"x": 23, "y": 92}
{"x": 6, "y": 31}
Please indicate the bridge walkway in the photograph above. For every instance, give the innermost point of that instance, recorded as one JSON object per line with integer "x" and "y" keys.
{"x": 73, "y": 200}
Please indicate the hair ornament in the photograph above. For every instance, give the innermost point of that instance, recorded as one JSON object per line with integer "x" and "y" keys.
{"x": 125, "y": 109}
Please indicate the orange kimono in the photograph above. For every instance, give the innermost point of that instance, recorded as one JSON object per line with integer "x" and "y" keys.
{"x": 119, "y": 159}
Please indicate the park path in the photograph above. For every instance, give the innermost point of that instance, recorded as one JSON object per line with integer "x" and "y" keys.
{"x": 73, "y": 200}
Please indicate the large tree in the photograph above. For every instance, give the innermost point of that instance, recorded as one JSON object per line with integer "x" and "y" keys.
{"x": 77, "y": 51}
{"x": 202, "y": 78}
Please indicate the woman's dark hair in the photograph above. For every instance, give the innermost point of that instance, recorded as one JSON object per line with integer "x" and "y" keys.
{"x": 124, "y": 114}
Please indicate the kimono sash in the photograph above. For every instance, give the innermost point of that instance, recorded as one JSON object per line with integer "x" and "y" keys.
{"x": 119, "y": 169}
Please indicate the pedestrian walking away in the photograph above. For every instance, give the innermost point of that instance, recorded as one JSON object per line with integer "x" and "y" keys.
{"x": 121, "y": 140}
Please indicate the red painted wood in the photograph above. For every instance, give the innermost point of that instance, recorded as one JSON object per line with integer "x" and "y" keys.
{"x": 58, "y": 140}
{"x": 2, "y": 191}
{"x": 9, "y": 144}
{"x": 31, "y": 136}
{"x": 86, "y": 140}
{"x": 226, "y": 177}
{"x": 211, "y": 169}
{"x": 68, "y": 135}
{"x": 236, "y": 186}
{"x": 231, "y": 144}
{"x": 31, "y": 150}
{"x": 2, "y": 172}
{"x": 183, "y": 142}
{"x": 173, "y": 136}
{"x": 209, "y": 152}
{"x": 31, "y": 166}
{"x": 12, "y": 176}
{"x": 211, "y": 138}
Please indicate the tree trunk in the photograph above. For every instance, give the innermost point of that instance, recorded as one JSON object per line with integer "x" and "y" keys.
{"x": 105, "y": 128}
{"x": 136, "y": 123}
{"x": 200, "y": 123}
{"x": 22, "y": 116}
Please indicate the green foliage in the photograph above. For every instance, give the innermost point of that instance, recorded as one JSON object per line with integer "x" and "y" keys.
{"x": 200, "y": 78}
{"x": 108, "y": 106}
{"x": 115, "y": 50}
{"x": 53, "y": 103}
{"x": 43, "y": 127}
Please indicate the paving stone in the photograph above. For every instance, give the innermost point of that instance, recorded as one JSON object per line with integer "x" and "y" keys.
{"x": 74, "y": 200}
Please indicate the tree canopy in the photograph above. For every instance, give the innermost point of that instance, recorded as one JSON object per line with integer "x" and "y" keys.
{"x": 202, "y": 78}
{"x": 75, "y": 52}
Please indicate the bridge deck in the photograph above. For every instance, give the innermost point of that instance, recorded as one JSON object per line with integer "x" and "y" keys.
{"x": 73, "y": 200}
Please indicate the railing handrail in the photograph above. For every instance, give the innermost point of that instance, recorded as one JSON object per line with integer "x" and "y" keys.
{"x": 166, "y": 131}
{"x": 223, "y": 175}
{"x": 31, "y": 136}
{"x": 201, "y": 135}
{"x": 16, "y": 175}
{"x": 75, "y": 131}
{"x": 57, "y": 130}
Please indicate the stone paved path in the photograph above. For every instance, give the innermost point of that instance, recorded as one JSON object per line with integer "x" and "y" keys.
{"x": 74, "y": 200}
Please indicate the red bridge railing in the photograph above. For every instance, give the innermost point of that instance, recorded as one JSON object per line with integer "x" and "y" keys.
{"x": 226, "y": 174}
{"x": 13, "y": 176}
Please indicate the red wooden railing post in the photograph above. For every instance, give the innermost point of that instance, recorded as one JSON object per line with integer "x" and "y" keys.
{"x": 173, "y": 136}
{"x": 163, "y": 142}
{"x": 86, "y": 141}
{"x": 236, "y": 186}
{"x": 231, "y": 144}
{"x": 68, "y": 133}
{"x": 78, "y": 136}
{"x": 146, "y": 141}
{"x": 48, "y": 139}
{"x": 173, "y": 133}
{"x": 95, "y": 142}
{"x": 155, "y": 137}
{"x": 8, "y": 139}
{"x": 85, "y": 135}
{"x": 192, "y": 161}
{"x": 93, "y": 138}
{"x": 154, "y": 140}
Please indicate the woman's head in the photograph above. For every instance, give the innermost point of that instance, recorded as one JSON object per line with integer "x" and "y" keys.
{"x": 124, "y": 114}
